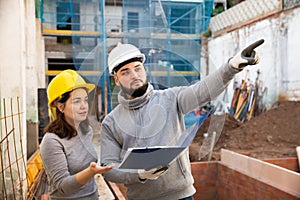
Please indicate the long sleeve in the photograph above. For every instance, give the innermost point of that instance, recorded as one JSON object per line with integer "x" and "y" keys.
{"x": 63, "y": 159}
{"x": 56, "y": 166}
{"x": 111, "y": 153}
{"x": 206, "y": 89}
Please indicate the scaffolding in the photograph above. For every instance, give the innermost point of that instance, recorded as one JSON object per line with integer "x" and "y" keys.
{"x": 168, "y": 32}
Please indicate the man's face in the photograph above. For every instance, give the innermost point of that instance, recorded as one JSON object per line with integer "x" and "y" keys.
{"x": 131, "y": 77}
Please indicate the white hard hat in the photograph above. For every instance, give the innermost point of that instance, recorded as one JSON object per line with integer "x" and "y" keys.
{"x": 122, "y": 53}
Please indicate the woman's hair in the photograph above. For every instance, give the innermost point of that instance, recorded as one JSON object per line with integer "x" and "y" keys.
{"x": 60, "y": 126}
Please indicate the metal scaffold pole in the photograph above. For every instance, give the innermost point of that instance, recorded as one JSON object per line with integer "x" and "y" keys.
{"x": 105, "y": 81}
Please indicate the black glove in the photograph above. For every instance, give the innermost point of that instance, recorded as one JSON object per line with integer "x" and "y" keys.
{"x": 246, "y": 57}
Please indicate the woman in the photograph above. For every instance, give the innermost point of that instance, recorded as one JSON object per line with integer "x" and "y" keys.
{"x": 67, "y": 152}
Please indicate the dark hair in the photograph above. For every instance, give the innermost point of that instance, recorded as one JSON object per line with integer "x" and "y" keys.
{"x": 60, "y": 126}
{"x": 126, "y": 62}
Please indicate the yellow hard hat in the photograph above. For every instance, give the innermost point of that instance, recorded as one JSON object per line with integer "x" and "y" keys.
{"x": 63, "y": 82}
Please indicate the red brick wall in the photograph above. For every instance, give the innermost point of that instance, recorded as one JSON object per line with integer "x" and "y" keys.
{"x": 205, "y": 175}
{"x": 288, "y": 163}
{"x": 234, "y": 185}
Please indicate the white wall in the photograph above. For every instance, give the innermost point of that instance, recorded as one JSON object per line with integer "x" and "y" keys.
{"x": 113, "y": 16}
{"x": 22, "y": 72}
{"x": 12, "y": 81}
{"x": 34, "y": 57}
{"x": 279, "y": 66}
{"x": 12, "y": 51}
{"x": 22, "y": 63}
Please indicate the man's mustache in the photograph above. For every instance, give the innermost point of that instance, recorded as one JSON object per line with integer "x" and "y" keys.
{"x": 135, "y": 80}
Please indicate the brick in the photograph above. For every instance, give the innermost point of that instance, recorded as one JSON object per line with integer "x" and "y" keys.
{"x": 227, "y": 183}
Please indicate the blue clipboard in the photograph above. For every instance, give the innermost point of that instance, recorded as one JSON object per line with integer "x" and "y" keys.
{"x": 150, "y": 157}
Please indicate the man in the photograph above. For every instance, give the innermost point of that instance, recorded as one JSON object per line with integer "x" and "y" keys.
{"x": 148, "y": 117}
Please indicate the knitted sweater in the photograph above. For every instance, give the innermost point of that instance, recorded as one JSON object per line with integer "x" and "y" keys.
{"x": 62, "y": 159}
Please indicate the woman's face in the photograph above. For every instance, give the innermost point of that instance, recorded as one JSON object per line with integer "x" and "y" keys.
{"x": 76, "y": 107}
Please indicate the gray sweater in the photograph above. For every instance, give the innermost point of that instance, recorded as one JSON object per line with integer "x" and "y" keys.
{"x": 157, "y": 119}
{"x": 62, "y": 159}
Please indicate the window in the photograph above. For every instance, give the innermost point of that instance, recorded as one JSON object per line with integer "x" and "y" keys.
{"x": 133, "y": 21}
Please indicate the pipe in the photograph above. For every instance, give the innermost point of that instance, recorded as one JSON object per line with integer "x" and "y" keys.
{"x": 212, "y": 145}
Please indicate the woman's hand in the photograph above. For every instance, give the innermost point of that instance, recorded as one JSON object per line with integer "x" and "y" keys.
{"x": 85, "y": 175}
{"x": 96, "y": 169}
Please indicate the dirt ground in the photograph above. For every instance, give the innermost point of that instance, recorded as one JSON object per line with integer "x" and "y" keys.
{"x": 273, "y": 134}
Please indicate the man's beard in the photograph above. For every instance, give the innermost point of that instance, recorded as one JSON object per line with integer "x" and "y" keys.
{"x": 135, "y": 92}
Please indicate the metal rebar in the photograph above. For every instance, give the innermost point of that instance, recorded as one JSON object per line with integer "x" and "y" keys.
{"x": 3, "y": 176}
{"x": 15, "y": 146}
{"x": 20, "y": 131}
{"x": 8, "y": 152}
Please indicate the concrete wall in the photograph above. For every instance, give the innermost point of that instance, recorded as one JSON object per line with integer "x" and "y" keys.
{"x": 279, "y": 65}
{"x": 12, "y": 52}
{"x": 22, "y": 65}
{"x": 34, "y": 68}
{"x": 114, "y": 16}
{"x": 12, "y": 81}
{"x": 21, "y": 73}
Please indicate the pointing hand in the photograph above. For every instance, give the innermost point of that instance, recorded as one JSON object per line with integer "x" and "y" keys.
{"x": 247, "y": 56}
